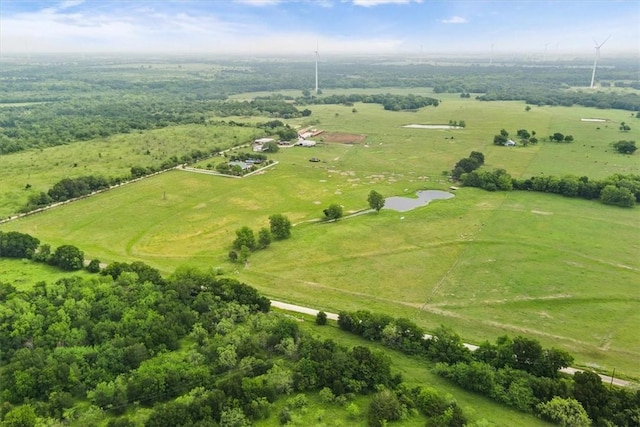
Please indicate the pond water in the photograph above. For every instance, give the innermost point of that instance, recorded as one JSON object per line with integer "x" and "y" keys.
{"x": 404, "y": 204}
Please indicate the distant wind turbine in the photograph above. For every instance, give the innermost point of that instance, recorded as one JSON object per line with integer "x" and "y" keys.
{"x": 491, "y": 57}
{"x": 317, "y": 56}
{"x": 544, "y": 57}
{"x": 595, "y": 62}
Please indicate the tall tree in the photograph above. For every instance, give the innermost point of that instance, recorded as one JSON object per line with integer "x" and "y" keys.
{"x": 264, "y": 238}
{"x": 280, "y": 226}
{"x": 333, "y": 212}
{"x": 376, "y": 200}
{"x": 245, "y": 237}
{"x": 68, "y": 257}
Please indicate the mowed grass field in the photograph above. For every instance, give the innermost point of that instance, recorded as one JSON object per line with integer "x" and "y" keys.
{"x": 564, "y": 271}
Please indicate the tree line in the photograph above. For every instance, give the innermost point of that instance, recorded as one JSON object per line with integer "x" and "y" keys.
{"x": 543, "y": 96}
{"x": 517, "y": 372}
{"x": 388, "y": 101}
{"x": 246, "y": 242}
{"x": 14, "y": 244}
{"x": 619, "y": 189}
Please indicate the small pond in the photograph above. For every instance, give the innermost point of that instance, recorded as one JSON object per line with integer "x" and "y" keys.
{"x": 404, "y": 204}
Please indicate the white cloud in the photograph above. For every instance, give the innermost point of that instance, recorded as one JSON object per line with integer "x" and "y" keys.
{"x": 259, "y": 2}
{"x": 70, "y": 3}
{"x": 55, "y": 30}
{"x": 455, "y": 20}
{"x": 371, "y": 3}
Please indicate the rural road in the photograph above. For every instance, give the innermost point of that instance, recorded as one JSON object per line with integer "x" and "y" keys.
{"x": 333, "y": 316}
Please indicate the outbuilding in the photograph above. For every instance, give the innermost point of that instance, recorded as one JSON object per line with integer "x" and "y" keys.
{"x": 306, "y": 143}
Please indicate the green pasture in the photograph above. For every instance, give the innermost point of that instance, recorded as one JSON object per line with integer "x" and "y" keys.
{"x": 111, "y": 157}
{"x": 560, "y": 270}
{"x": 22, "y": 273}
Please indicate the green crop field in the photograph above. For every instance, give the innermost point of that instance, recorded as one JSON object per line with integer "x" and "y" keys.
{"x": 563, "y": 271}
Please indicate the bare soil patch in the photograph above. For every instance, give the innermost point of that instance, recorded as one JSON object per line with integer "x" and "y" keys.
{"x": 343, "y": 138}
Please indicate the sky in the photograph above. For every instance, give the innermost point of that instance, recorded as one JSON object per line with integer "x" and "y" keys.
{"x": 544, "y": 28}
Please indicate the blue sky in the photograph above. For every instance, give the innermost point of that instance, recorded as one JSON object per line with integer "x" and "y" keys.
{"x": 272, "y": 27}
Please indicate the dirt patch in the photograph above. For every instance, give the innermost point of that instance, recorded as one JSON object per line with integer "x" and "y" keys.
{"x": 343, "y": 138}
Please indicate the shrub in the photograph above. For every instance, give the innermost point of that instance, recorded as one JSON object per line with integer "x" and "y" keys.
{"x": 321, "y": 318}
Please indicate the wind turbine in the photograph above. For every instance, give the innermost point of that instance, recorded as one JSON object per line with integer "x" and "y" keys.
{"x": 595, "y": 62}
{"x": 317, "y": 56}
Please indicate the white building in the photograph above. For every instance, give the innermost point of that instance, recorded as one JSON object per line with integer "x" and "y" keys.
{"x": 306, "y": 143}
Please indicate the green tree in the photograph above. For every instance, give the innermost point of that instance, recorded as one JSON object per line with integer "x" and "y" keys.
{"x": 17, "y": 245}
{"x": 612, "y": 195}
{"x": 376, "y": 200}
{"x": 264, "y": 238}
{"x": 333, "y": 212}
{"x": 384, "y": 407}
{"x": 321, "y": 318}
{"x": 271, "y": 147}
{"x": 42, "y": 254}
{"x": 234, "y": 417}
{"x": 21, "y": 416}
{"x": 477, "y": 156}
{"x": 565, "y": 412}
{"x": 68, "y": 257}
{"x": 625, "y": 147}
{"x": 94, "y": 266}
{"x": 244, "y": 254}
{"x": 624, "y": 127}
{"x": 446, "y": 346}
{"x": 245, "y": 237}
{"x": 280, "y": 226}
{"x": 500, "y": 139}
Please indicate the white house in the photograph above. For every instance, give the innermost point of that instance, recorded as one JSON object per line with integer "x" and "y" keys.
{"x": 510, "y": 143}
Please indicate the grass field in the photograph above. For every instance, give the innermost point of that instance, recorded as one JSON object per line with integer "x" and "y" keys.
{"x": 564, "y": 271}
{"x": 110, "y": 157}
